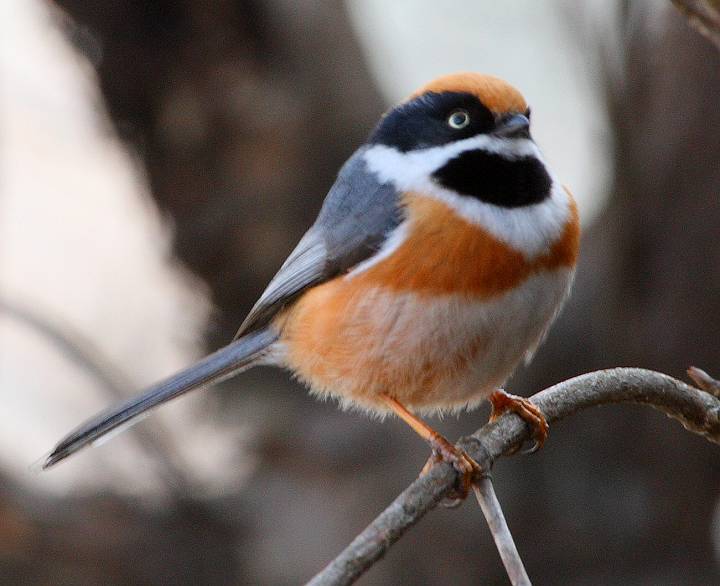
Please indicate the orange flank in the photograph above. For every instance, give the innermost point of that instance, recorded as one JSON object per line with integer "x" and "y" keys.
{"x": 497, "y": 95}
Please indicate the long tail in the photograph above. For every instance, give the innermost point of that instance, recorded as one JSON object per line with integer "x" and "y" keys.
{"x": 228, "y": 361}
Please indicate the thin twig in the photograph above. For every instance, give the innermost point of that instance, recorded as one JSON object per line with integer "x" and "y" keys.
{"x": 704, "y": 381}
{"x": 486, "y": 498}
{"x": 704, "y": 16}
{"x": 696, "y": 410}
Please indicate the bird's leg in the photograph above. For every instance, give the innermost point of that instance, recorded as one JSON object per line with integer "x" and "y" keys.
{"x": 442, "y": 449}
{"x": 502, "y": 401}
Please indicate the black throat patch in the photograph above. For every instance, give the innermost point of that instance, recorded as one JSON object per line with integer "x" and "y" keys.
{"x": 492, "y": 178}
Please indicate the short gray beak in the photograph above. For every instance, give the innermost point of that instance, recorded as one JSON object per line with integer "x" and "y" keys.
{"x": 513, "y": 126}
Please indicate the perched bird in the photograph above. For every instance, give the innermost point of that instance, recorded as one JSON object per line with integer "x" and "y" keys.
{"x": 438, "y": 261}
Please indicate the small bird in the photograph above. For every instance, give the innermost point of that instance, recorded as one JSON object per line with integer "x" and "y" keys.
{"x": 439, "y": 259}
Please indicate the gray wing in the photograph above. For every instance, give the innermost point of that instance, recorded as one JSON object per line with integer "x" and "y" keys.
{"x": 356, "y": 217}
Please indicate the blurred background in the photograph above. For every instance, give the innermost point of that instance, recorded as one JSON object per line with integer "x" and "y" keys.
{"x": 157, "y": 163}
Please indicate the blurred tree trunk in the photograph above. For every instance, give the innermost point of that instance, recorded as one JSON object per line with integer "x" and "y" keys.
{"x": 242, "y": 112}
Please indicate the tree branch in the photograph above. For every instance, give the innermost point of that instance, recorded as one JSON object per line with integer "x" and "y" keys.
{"x": 696, "y": 410}
{"x": 704, "y": 16}
{"x": 486, "y": 498}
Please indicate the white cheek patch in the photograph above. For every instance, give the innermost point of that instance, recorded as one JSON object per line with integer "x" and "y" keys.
{"x": 530, "y": 229}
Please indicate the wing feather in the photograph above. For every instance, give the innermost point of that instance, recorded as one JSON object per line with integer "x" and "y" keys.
{"x": 357, "y": 216}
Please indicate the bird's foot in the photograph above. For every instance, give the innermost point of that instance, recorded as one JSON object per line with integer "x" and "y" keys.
{"x": 502, "y": 401}
{"x": 468, "y": 469}
{"x": 442, "y": 451}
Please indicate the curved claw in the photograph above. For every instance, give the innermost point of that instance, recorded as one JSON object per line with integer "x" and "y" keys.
{"x": 467, "y": 468}
{"x": 524, "y": 408}
{"x": 532, "y": 449}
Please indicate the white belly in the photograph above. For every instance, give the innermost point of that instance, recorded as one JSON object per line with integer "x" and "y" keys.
{"x": 429, "y": 352}
{"x": 494, "y": 335}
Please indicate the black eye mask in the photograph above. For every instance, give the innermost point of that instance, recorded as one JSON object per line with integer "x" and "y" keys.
{"x": 423, "y": 122}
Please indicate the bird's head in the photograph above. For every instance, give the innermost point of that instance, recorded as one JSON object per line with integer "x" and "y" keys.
{"x": 466, "y": 133}
{"x": 452, "y": 108}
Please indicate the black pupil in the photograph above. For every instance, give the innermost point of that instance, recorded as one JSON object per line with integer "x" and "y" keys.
{"x": 459, "y": 118}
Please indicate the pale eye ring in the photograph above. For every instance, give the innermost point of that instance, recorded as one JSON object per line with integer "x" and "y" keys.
{"x": 458, "y": 119}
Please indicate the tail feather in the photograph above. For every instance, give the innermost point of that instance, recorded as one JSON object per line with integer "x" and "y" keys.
{"x": 232, "y": 359}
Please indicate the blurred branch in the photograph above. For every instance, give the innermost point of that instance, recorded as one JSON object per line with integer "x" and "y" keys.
{"x": 704, "y": 16}
{"x": 84, "y": 353}
{"x": 74, "y": 346}
{"x": 698, "y": 411}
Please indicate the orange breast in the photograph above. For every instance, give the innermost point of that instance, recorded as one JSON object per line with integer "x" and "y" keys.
{"x": 446, "y": 254}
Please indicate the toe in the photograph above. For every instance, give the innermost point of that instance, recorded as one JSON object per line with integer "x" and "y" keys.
{"x": 530, "y": 413}
{"x": 467, "y": 469}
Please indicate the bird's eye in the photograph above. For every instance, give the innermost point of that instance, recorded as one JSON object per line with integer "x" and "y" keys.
{"x": 458, "y": 119}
